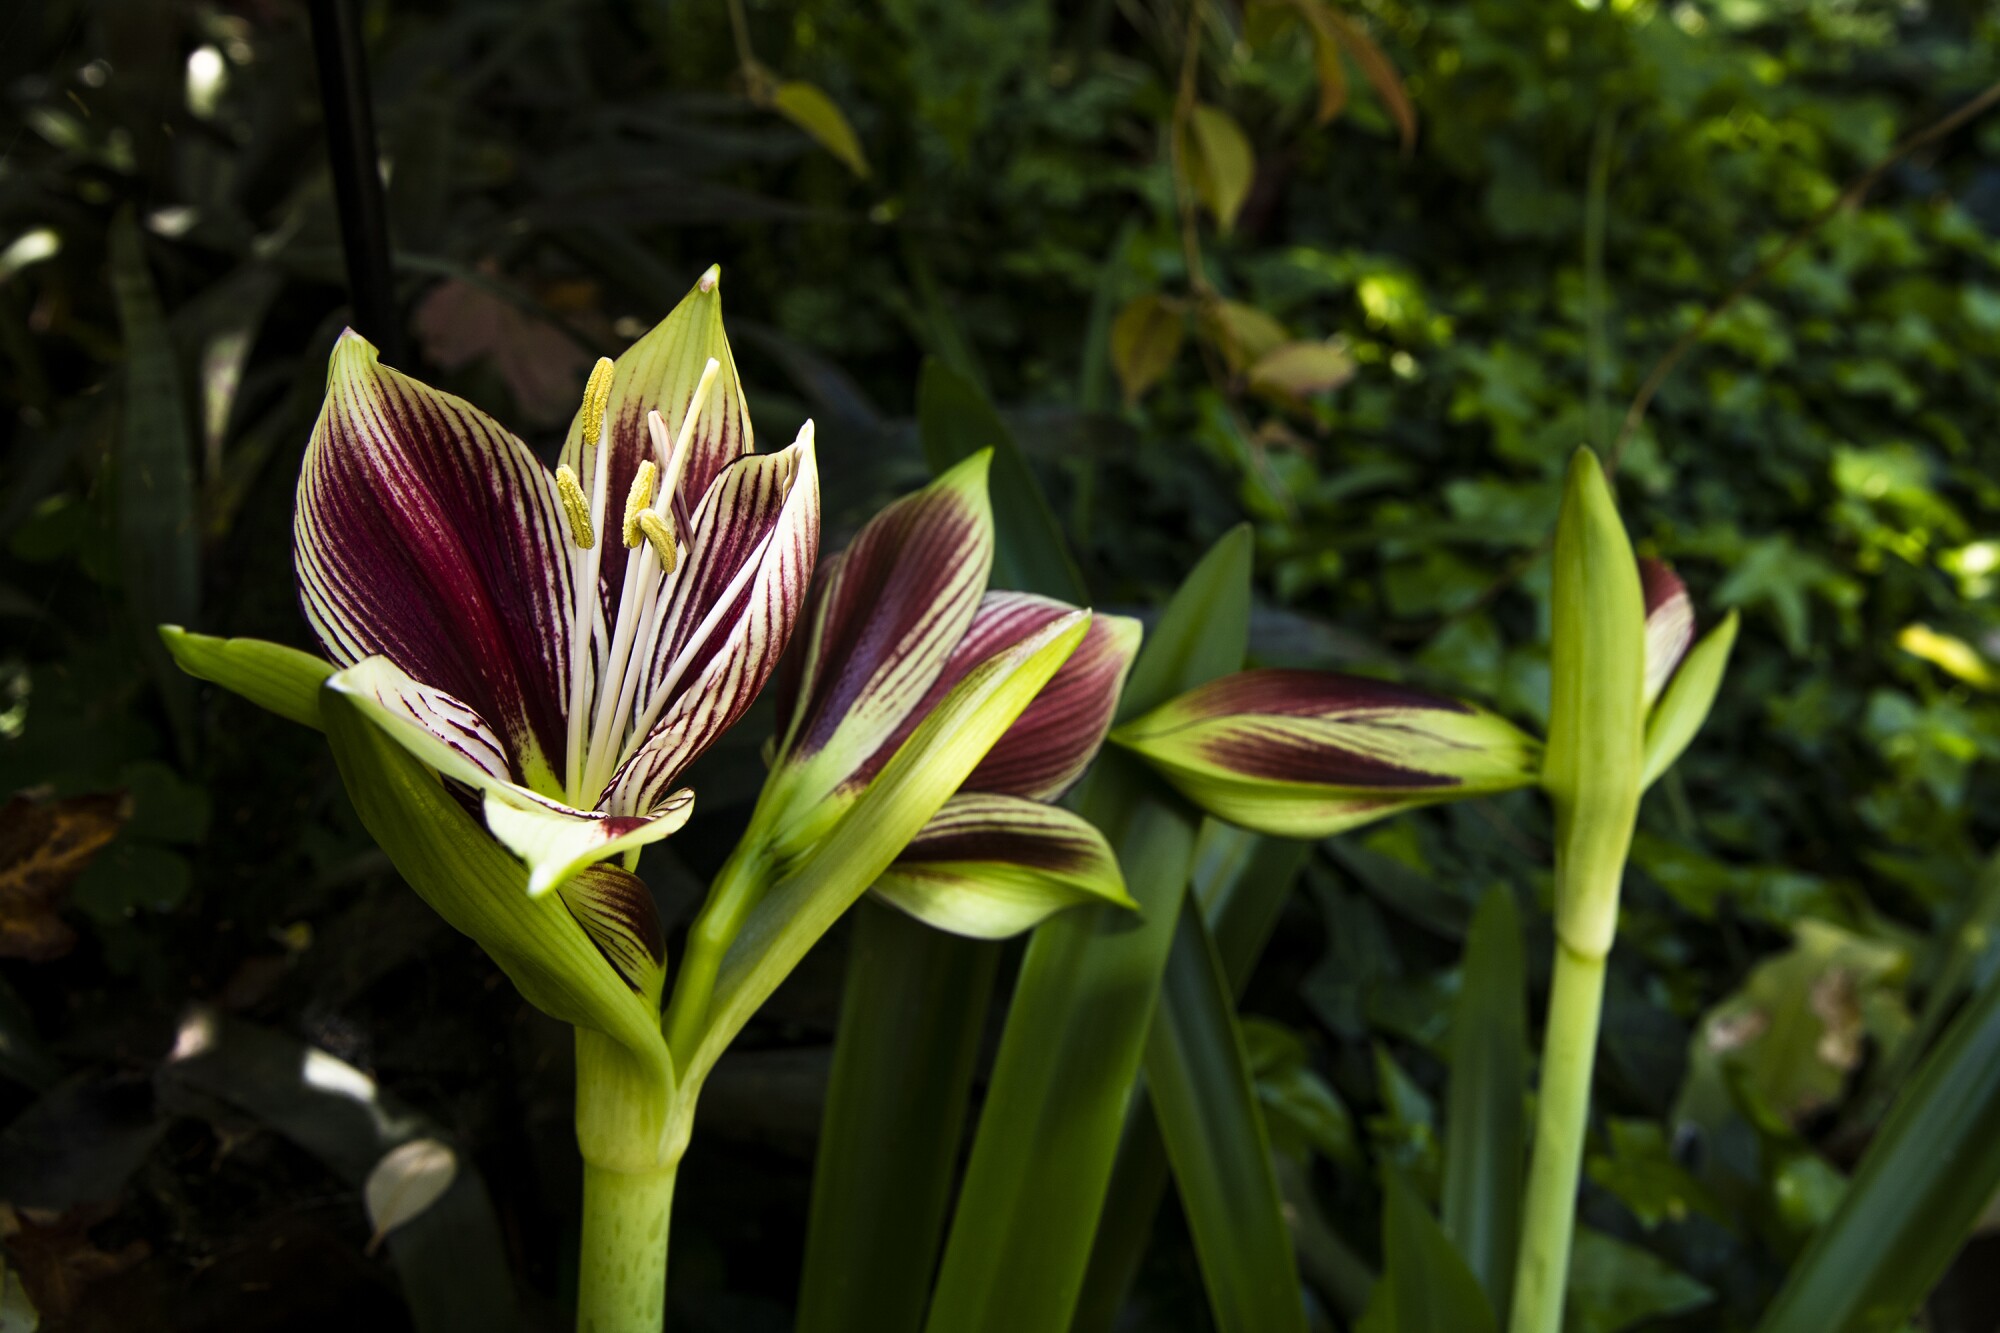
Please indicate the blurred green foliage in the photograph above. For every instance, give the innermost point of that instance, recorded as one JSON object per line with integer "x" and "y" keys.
{"x": 1806, "y": 903}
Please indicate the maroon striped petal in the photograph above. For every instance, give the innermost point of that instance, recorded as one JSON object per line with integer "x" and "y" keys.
{"x": 750, "y": 562}
{"x": 429, "y": 535}
{"x": 659, "y": 374}
{"x": 1669, "y": 624}
{"x": 1049, "y": 745}
{"x": 883, "y": 620}
{"x": 617, "y": 911}
{"x": 1308, "y": 753}
{"x": 991, "y": 866}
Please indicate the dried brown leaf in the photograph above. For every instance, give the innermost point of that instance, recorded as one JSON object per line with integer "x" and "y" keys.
{"x": 44, "y": 846}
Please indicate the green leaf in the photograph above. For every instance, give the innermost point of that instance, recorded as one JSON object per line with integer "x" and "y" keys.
{"x": 1198, "y": 1075}
{"x": 1241, "y": 881}
{"x": 1615, "y": 1286}
{"x": 910, "y": 1021}
{"x": 1919, "y": 1189}
{"x": 158, "y": 541}
{"x": 1691, "y": 693}
{"x": 956, "y": 421}
{"x": 1302, "y": 1109}
{"x": 270, "y": 675}
{"x": 1424, "y": 1280}
{"x": 1219, "y": 162}
{"x": 1485, "y": 1148}
{"x": 814, "y": 112}
{"x": 1042, "y": 1157}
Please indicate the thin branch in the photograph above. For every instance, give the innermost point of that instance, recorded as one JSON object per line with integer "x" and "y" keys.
{"x": 1853, "y": 194}
{"x": 1184, "y": 99}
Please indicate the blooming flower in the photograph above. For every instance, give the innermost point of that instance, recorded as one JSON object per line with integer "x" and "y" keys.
{"x": 894, "y": 622}
{"x": 564, "y": 643}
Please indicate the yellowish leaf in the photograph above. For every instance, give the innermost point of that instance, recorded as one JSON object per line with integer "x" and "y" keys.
{"x": 1242, "y": 333}
{"x": 1947, "y": 653}
{"x": 405, "y": 1183}
{"x": 1219, "y": 162}
{"x": 1145, "y": 339}
{"x": 1301, "y": 369}
{"x": 815, "y": 113}
{"x": 1332, "y": 72}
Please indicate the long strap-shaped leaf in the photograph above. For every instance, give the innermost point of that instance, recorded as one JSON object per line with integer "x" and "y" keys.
{"x": 1921, "y": 1186}
{"x": 1206, "y": 1098}
{"x": 1020, "y": 1238}
{"x": 1485, "y": 1154}
{"x": 910, "y": 1018}
{"x": 916, "y": 998}
{"x": 158, "y": 538}
{"x": 1241, "y": 895}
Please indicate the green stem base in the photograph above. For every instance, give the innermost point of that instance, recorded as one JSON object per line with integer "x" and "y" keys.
{"x": 1548, "y": 1224}
{"x": 622, "y": 1273}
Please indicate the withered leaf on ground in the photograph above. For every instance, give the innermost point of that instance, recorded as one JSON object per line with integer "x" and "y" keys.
{"x": 44, "y": 846}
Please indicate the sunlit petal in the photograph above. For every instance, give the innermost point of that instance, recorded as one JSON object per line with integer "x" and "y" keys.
{"x": 429, "y": 535}
{"x": 885, "y": 616}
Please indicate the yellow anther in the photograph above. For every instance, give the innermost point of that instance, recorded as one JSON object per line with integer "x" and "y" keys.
{"x": 639, "y": 499}
{"x": 661, "y": 534}
{"x": 596, "y": 394}
{"x": 570, "y": 490}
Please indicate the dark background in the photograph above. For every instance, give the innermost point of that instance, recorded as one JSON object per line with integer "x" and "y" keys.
{"x": 1807, "y": 900}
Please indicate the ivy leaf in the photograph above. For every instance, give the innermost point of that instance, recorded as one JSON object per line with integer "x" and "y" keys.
{"x": 814, "y": 112}
{"x": 1615, "y": 1286}
{"x": 1145, "y": 340}
{"x": 1219, "y": 162}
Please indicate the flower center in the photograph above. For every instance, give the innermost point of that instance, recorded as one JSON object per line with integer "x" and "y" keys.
{"x": 607, "y": 715}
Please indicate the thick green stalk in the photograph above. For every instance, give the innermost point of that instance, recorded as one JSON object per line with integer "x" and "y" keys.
{"x": 631, "y": 1131}
{"x": 622, "y": 1270}
{"x": 1593, "y": 774}
{"x": 1549, "y": 1216}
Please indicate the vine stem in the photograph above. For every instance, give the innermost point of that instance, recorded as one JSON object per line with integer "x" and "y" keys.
{"x": 1856, "y": 190}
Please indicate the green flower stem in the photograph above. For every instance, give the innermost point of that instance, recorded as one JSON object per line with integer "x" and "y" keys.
{"x": 738, "y": 885}
{"x": 622, "y": 1271}
{"x": 1569, "y": 1050}
{"x": 631, "y": 1129}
